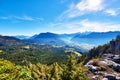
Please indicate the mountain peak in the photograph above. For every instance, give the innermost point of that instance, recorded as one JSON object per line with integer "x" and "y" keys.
{"x": 47, "y": 35}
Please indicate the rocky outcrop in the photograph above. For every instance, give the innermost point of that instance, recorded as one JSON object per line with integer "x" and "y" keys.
{"x": 107, "y": 68}
{"x": 115, "y": 45}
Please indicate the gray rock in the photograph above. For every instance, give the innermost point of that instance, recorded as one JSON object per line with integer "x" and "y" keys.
{"x": 100, "y": 73}
{"x": 110, "y": 76}
{"x": 92, "y": 68}
{"x": 116, "y": 67}
{"x": 116, "y": 59}
{"x": 109, "y": 62}
{"x": 115, "y": 47}
{"x": 118, "y": 78}
{"x": 107, "y": 56}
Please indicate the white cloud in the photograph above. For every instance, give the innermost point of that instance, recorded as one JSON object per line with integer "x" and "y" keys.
{"x": 83, "y": 7}
{"x": 98, "y": 26}
{"x": 111, "y": 12}
{"x": 86, "y": 25}
{"x": 25, "y": 18}
{"x": 90, "y": 5}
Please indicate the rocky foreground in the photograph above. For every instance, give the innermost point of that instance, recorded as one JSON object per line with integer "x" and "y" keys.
{"x": 106, "y": 68}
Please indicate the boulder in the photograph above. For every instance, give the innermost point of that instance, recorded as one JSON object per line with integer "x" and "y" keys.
{"x": 110, "y": 62}
{"x": 110, "y": 76}
{"x": 92, "y": 68}
{"x": 107, "y": 56}
{"x": 116, "y": 67}
{"x": 100, "y": 73}
{"x": 116, "y": 59}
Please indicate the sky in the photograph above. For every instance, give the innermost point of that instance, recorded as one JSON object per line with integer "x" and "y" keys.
{"x": 29, "y": 17}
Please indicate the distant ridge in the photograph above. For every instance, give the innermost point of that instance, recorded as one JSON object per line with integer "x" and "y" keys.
{"x": 79, "y": 41}
{"x": 9, "y": 40}
{"x": 47, "y": 35}
{"x": 96, "y": 38}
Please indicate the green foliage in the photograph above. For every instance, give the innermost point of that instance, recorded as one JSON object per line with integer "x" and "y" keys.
{"x": 71, "y": 70}
{"x": 9, "y": 71}
{"x": 97, "y": 52}
{"x": 35, "y": 54}
{"x": 74, "y": 70}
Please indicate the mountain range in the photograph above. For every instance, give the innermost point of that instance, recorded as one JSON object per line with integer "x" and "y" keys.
{"x": 81, "y": 42}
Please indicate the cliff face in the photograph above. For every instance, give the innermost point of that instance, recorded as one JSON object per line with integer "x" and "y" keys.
{"x": 115, "y": 45}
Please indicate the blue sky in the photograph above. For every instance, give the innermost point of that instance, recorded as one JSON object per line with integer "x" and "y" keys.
{"x": 29, "y": 17}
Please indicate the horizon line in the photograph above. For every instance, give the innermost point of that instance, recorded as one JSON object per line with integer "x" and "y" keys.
{"x": 53, "y": 33}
